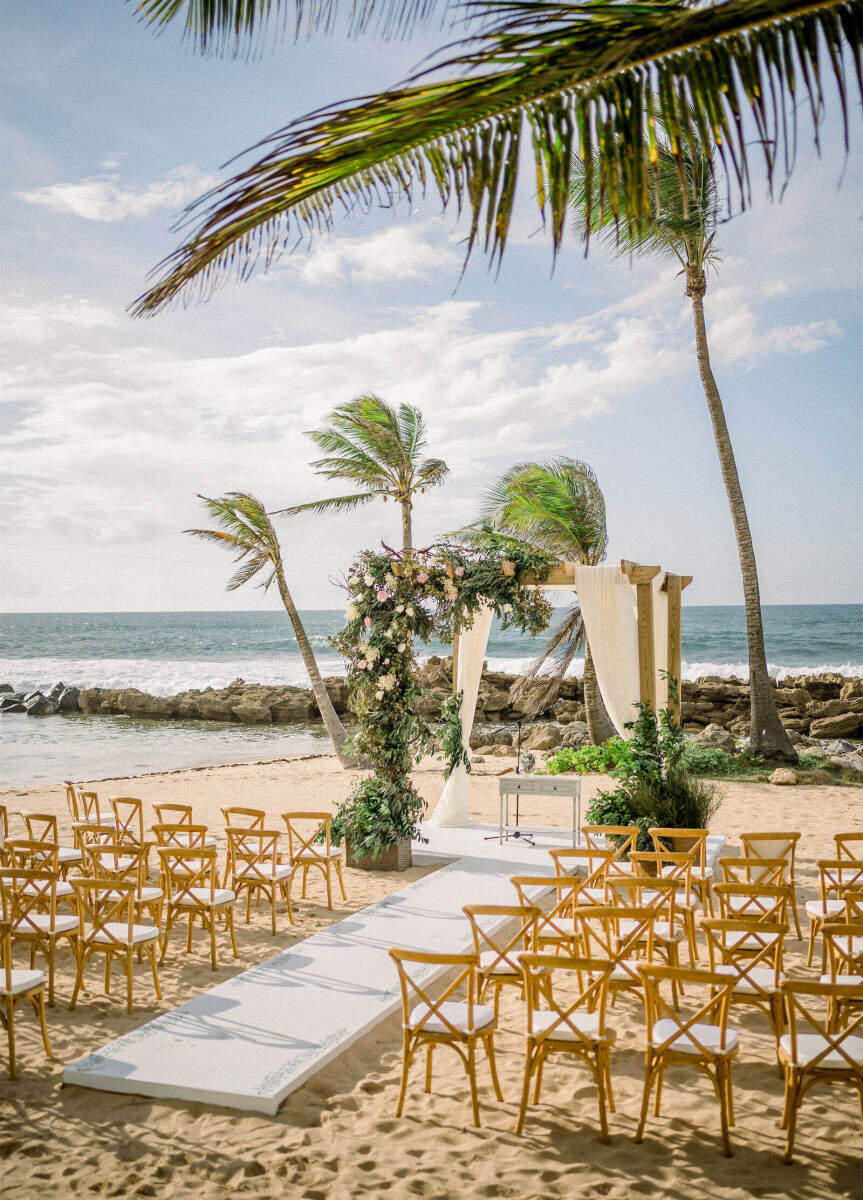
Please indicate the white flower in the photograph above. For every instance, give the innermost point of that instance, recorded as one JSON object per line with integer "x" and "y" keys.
{"x": 402, "y": 647}
{"x": 351, "y": 612}
{"x": 507, "y": 608}
{"x": 368, "y": 579}
{"x": 373, "y": 654}
{"x": 387, "y": 682}
{"x": 379, "y": 695}
{"x": 400, "y": 608}
{"x": 409, "y": 611}
{"x": 390, "y": 579}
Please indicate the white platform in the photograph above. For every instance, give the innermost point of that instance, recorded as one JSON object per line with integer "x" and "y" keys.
{"x": 251, "y": 1041}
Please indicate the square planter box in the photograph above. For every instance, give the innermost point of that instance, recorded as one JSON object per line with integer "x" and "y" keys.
{"x": 395, "y": 858}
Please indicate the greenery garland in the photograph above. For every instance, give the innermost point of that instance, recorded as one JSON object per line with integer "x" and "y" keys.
{"x": 451, "y": 741}
{"x": 394, "y": 600}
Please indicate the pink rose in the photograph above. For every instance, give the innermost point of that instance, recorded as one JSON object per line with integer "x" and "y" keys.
{"x": 382, "y": 595}
{"x": 459, "y": 571}
{"x": 367, "y": 621}
{"x": 386, "y": 662}
{"x": 361, "y": 666}
{"x": 422, "y": 577}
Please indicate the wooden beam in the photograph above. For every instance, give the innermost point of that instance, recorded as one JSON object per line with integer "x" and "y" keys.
{"x": 636, "y": 573}
{"x": 673, "y": 585}
{"x": 559, "y": 576}
{"x": 642, "y": 577}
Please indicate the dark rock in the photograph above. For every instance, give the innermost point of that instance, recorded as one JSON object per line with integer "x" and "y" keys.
{"x": 718, "y": 737}
{"x": 67, "y": 701}
{"x": 8, "y": 704}
{"x": 37, "y": 705}
{"x": 6, "y": 687}
{"x": 576, "y": 734}
{"x": 835, "y": 746}
{"x": 56, "y": 692}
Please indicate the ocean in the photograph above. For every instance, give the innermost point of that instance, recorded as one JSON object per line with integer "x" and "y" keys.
{"x": 163, "y": 653}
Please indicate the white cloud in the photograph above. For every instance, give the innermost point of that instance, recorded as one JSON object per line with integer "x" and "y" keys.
{"x": 404, "y": 252}
{"x": 106, "y": 199}
{"x": 24, "y": 321}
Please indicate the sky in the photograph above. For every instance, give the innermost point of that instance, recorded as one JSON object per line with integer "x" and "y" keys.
{"x": 110, "y": 427}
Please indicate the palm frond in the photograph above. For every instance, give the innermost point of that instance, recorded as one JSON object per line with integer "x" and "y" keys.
{"x": 582, "y": 79}
{"x": 540, "y": 683}
{"x": 333, "y": 504}
{"x": 245, "y": 530}
{"x": 431, "y": 472}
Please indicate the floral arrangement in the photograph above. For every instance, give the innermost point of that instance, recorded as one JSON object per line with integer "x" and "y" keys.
{"x": 393, "y": 601}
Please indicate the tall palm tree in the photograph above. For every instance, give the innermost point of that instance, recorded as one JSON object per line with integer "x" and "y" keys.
{"x": 558, "y": 507}
{"x": 550, "y": 78}
{"x": 245, "y": 529}
{"x": 683, "y": 228}
{"x": 379, "y": 449}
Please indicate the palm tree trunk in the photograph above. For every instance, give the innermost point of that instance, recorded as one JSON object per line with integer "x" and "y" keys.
{"x": 599, "y": 725}
{"x": 329, "y": 716}
{"x": 407, "y": 533}
{"x": 768, "y": 737}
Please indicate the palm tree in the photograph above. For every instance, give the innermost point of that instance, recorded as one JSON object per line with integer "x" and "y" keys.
{"x": 379, "y": 449}
{"x": 558, "y": 507}
{"x": 245, "y": 529}
{"x": 550, "y": 79}
{"x": 683, "y": 229}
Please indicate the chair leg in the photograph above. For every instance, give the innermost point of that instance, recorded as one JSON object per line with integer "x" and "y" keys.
{"x": 525, "y": 1089}
{"x": 796, "y": 915}
{"x": 212, "y": 924}
{"x": 50, "y": 951}
{"x": 729, "y": 1084}
{"x": 328, "y": 872}
{"x": 10, "y": 1031}
{"x": 657, "y": 1103}
{"x": 492, "y": 1063}
{"x": 39, "y": 1005}
{"x": 152, "y": 953}
{"x": 429, "y": 1067}
{"x": 813, "y": 925}
{"x": 599, "y": 1073}
{"x": 645, "y": 1098}
{"x": 791, "y": 1121}
{"x": 305, "y": 878}
{"x": 341, "y": 881}
{"x": 471, "y": 1071}
{"x": 273, "y": 908}
{"x": 722, "y": 1088}
{"x": 129, "y": 957}
{"x": 230, "y": 924}
{"x": 189, "y": 936}
{"x": 539, "y": 1066}
{"x": 400, "y": 1103}
{"x": 107, "y": 973}
{"x": 82, "y": 957}
{"x": 168, "y": 923}
{"x": 608, "y": 1084}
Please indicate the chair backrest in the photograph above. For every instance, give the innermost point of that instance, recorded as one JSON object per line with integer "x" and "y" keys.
{"x": 620, "y": 839}
{"x": 129, "y": 815}
{"x": 304, "y": 830}
{"x": 4, "y": 832}
{"x": 41, "y": 827}
{"x": 125, "y": 862}
{"x": 559, "y": 920}
{"x": 173, "y": 814}
{"x": 771, "y": 871}
{"x": 539, "y": 971}
{"x": 26, "y": 896}
{"x": 188, "y": 871}
{"x": 71, "y": 792}
{"x": 90, "y": 833}
{"x": 659, "y": 894}
{"x": 800, "y": 998}
{"x": 588, "y": 863}
{"x": 501, "y": 949}
{"x": 839, "y": 875}
{"x": 183, "y": 836}
{"x": 849, "y": 845}
{"x": 101, "y": 904}
{"x": 244, "y": 818}
{"x": 753, "y": 902}
{"x": 844, "y": 942}
{"x": 666, "y": 864}
{"x": 615, "y": 933}
{"x": 853, "y": 898}
{"x": 714, "y": 1011}
{"x": 6, "y": 956}
{"x": 681, "y": 841}
{"x": 745, "y": 947}
{"x": 32, "y": 854}
{"x": 410, "y": 965}
{"x": 253, "y": 855}
{"x": 89, "y": 808}
{"x": 772, "y": 845}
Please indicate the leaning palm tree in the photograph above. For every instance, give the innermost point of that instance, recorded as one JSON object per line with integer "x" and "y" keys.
{"x": 377, "y": 448}
{"x": 245, "y": 529}
{"x": 683, "y": 229}
{"x": 531, "y": 77}
{"x": 558, "y": 507}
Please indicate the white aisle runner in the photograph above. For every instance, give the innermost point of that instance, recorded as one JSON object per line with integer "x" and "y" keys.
{"x": 251, "y": 1041}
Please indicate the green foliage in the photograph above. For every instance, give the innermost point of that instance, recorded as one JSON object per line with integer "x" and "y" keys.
{"x": 450, "y": 736}
{"x": 607, "y": 758}
{"x": 378, "y": 814}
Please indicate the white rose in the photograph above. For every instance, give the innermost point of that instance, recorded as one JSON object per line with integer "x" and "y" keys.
{"x": 379, "y": 695}
{"x": 402, "y": 647}
{"x": 368, "y": 579}
{"x": 390, "y": 580}
{"x": 400, "y": 608}
{"x": 409, "y": 610}
{"x": 351, "y": 612}
{"x": 507, "y": 608}
{"x": 373, "y": 654}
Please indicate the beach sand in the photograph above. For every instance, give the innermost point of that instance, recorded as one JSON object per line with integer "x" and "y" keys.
{"x": 336, "y": 1137}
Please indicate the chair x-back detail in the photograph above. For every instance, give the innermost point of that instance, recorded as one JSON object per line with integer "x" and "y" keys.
{"x": 191, "y": 891}
{"x": 310, "y": 847}
{"x": 590, "y": 865}
{"x": 849, "y": 845}
{"x": 836, "y": 876}
{"x": 619, "y": 839}
{"x": 569, "y": 1026}
{"x": 555, "y": 925}
{"x": 253, "y": 855}
{"x": 811, "y": 1052}
{"x": 238, "y": 817}
{"x": 26, "y": 854}
{"x": 758, "y": 903}
{"x": 694, "y": 843}
{"x": 127, "y": 863}
{"x": 497, "y": 953}
{"x": 16, "y": 986}
{"x": 676, "y": 867}
{"x": 622, "y": 936}
{"x": 42, "y": 827}
{"x": 443, "y": 1021}
{"x": 844, "y": 942}
{"x": 108, "y": 926}
{"x": 772, "y": 846}
{"x": 750, "y": 955}
{"x": 699, "y": 1038}
{"x": 30, "y": 907}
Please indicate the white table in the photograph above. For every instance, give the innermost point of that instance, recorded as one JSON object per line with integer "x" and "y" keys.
{"x": 567, "y": 787}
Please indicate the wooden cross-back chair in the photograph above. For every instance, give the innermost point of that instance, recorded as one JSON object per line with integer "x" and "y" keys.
{"x": 42, "y": 827}
{"x": 27, "y": 854}
{"x": 555, "y": 925}
{"x": 15, "y": 987}
{"x": 759, "y": 902}
{"x": 30, "y": 907}
{"x": 852, "y": 897}
{"x": 621, "y": 935}
{"x": 238, "y": 817}
{"x": 751, "y": 956}
{"x": 107, "y": 926}
{"x": 844, "y": 943}
{"x": 675, "y": 866}
{"x": 4, "y": 833}
{"x": 128, "y": 814}
{"x": 443, "y": 1021}
{"x": 692, "y": 842}
{"x": 849, "y": 845}
{"x": 591, "y": 865}
{"x": 661, "y": 895}
{"x": 753, "y": 871}
{"x": 91, "y": 833}
{"x": 574, "y": 1026}
{"x": 772, "y": 846}
{"x": 835, "y": 877}
{"x": 126, "y": 862}
{"x": 497, "y": 953}
{"x": 253, "y": 855}
{"x": 811, "y": 1052}
{"x": 621, "y": 840}
{"x": 699, "y": 1038}
{"x": 191, "y": 889}
{"x": 309, "y": 846}
{"x": 173, "y": 814}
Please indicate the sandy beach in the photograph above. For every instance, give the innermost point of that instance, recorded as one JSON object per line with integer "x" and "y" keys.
{"x": 336, "y": 1137}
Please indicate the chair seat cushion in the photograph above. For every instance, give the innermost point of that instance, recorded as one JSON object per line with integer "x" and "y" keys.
{"x": 708, "y": 1035}
{"x": 320, "y": 855}
{"x": 845, "y": 980}
{"x": 586, "y": 1023}
{"x": 620, "y": 974}
{"x": 145, "y": 895}
{"x": 201, "y": 895}
{"x": 68, "y": 854}
{"x": 264, "y": 873}
{"x": 118, "y": 931}
{"x": 593, "y": 895}
{"x": 454, "y": 1012}
{"x": 696, "y": 874}
{"x": 750, "y": 941}
{"x": 823, "y": 909}
{"x": 62, "y": 924}
{"x": 662, "y": 932}
{"x": 500, "y": 965}
{"x": 22, "y": 981}
{"x": 754, "y": 982}
{"x": 62, "y": 889}
{"x": 810, "y": 1045}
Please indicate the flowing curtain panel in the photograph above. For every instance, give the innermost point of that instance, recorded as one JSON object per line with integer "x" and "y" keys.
{"x": 607, "y": 600}
{"x": 451, "y": 809}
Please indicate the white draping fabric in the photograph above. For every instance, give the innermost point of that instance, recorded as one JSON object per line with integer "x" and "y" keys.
{"x": 451, "y": 809}
{"x": 607, "y": 600}
{"x": 660, "y": 640}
